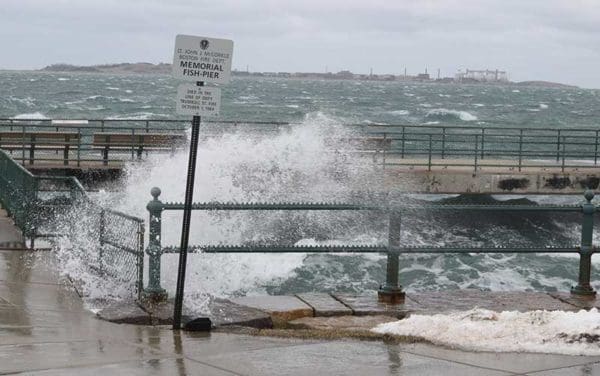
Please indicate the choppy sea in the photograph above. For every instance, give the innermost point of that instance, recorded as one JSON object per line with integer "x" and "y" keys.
{"x": 295, "y": 163}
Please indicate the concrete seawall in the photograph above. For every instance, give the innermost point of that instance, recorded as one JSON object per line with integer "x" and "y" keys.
{"x": 490, "y": 180}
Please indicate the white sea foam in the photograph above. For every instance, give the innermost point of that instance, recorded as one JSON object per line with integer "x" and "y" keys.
{"x": 112, "y": 88}
{"x": 64, "y": 79}
{"x": 399, "y": 112}
{"x": 543, "y": 106}
{"x": 446, "y": 113}
{"x": 516, "y": 91}
{"x": 34, "y": 115}
{"x": 557, "y": 332}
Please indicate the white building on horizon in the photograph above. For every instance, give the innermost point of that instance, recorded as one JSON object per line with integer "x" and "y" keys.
{"x": 482, "y": 75}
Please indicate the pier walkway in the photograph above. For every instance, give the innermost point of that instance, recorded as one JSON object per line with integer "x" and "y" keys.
{"x": 417, "y": 158}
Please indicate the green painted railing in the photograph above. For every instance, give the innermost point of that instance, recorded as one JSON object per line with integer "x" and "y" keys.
{"x": 479, "y": 147}
{"x": 40, "y": 204}
{"x": 391, "y": 291}
{"x": 18, "y": 193}
{"x": 424, "y": 145}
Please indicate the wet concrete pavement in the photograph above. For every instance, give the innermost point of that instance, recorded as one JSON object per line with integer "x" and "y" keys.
{"x": 45, "y": 330}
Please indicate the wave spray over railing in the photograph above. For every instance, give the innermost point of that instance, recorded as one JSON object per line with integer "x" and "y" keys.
{"x": 95, "y": 245}
{"x": 286, "y": 170}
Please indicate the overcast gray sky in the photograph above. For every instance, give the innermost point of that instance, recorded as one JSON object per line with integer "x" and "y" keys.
{"x": 533, "y": 40}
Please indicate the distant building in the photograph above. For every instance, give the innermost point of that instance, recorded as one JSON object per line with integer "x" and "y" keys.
{"x": 344, "y": 74}
{"x": 423, "y": 76}
{"x": 482, "y": 76}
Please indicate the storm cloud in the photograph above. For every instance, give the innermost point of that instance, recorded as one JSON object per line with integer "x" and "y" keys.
{"x": 532, "y": 40}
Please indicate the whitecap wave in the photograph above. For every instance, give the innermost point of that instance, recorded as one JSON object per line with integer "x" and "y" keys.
{"x": 399, "y": 112}
{"x": 33, "y": 116}
{"x": 445, "y": 114}
{"x": 556, "y": 332}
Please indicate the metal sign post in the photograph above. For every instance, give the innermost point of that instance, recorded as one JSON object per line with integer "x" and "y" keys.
{"x": 209, "y": 60}
{"x": 187, "y": 214}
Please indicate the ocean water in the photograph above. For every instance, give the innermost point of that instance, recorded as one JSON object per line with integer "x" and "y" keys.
{"x": 298, "y": 163}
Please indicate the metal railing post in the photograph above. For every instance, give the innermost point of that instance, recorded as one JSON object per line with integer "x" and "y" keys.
{"x": 482, "y": 141}
{"x": 154, "y": 291}
{"x": 520, "y": 148}
{"x": 476, "y": 150}
{"x": 391, "y": 292}
{"x": 140, "y": 261}
{"x": 443, "y": 142}
{"x": 402, "y": 142}
{"x": 596, "y": 149}
{"x": 101, "y": 238}
{"x": 558, "y": 145}
{"x": 586, "y": 249}
{"x": 384, "y": 147}
{"x": 429, "y": 158}
{"x": 564, "y": 150}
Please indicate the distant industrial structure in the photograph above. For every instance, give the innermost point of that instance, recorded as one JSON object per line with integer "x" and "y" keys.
{"x": 487, "y": 75}
{"x": 469, "y": 76}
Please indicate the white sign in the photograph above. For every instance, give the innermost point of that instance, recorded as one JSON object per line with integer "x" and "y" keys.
{"x": 202, "y": 59}
{"x": 198, "y": 100}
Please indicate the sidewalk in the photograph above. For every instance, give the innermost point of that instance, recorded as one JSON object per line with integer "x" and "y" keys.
{"x": 44, "y": 330}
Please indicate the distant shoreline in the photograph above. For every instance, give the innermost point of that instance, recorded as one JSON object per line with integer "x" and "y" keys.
{"x": 164, "y": 68}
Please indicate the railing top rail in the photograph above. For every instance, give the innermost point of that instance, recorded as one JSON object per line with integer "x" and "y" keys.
{"x": 382, "y": 207}
{"x": 124, "y": 215}
{"x": 364, "y": 249}
{"x": 10, "y": 121}
{"x": 473, "y": 127}
{"x": 36, "y": 122}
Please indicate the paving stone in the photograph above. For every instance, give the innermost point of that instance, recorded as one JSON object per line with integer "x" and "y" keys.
{"x": 220, "y": 311}
{"x": 579, "y": 302}
{"x": 125, "y": 313}
{"x": 462, "y": 300}
{"x": 281, "y": 308}
{"x": 367, "y": 305}
{"x": 357, "y": 323}
{"x": 324, "y": 304}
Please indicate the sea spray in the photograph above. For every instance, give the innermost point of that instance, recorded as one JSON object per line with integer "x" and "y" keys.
{"x": 306, "y": 162}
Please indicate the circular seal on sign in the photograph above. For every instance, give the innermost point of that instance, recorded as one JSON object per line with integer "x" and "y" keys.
{"x": 204, "y": 44}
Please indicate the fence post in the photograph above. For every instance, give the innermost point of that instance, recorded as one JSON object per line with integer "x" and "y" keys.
{"x": 140, "y": 261}
{"x": 476, "y": 150}
{"x": 558, "y": 145}
{"x": 564, "y": 151}
{"x": 443, "y": 142}
{"x": 429, "y": 156}
{"x": 391, "y": 292}
{"x": 482, "y": 142}
{"x": 596, "y": 149}
{"x": 586, "y": 249}
{"x": 102, "y": 232}
{"x": 154, "y": 291}
{"x": 403, "y": 142}
{"x": 520, "y": 148}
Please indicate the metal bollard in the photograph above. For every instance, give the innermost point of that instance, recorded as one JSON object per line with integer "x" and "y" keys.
{"x": 584, "y": 288}
{"x": 391, "y": 292}
{"x": 154, "y": 291}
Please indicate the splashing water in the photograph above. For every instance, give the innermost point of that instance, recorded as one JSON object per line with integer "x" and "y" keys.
{"x": 305, "y": 162}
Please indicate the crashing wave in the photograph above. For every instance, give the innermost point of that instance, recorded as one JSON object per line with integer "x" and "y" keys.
{"x": 445, "y": 114}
